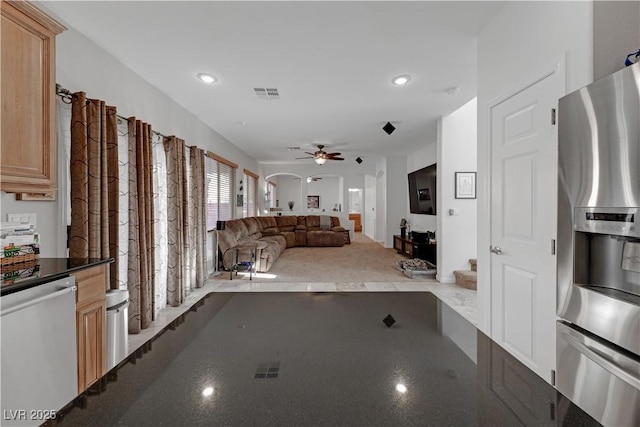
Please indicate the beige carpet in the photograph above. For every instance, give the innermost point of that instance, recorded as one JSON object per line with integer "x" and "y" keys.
{"x": 362, "y": 261}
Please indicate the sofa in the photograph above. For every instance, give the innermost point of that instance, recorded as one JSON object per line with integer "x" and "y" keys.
{"x": 269, "y": 236}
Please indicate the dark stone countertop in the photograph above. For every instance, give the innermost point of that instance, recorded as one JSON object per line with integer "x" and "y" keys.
{"x": 324, "y": 359}
{"x": 18, "y": 277}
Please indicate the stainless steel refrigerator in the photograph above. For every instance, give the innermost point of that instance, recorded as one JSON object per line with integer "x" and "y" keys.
{"x": 598, "y": 247}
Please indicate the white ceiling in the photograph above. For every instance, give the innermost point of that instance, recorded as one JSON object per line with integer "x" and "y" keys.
{"x": 332, "y": 63}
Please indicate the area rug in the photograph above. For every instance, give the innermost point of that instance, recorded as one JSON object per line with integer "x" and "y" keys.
{"x": 362, "y": 261}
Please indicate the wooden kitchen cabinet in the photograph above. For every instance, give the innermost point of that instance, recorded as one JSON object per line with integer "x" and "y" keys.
{"x": 91, "y": 325}
{"x": 356, "y": 222}
{"x": 28, "y": 157}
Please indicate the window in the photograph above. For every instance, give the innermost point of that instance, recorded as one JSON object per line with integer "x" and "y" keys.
{"x": 219, "y": 175}
{"x": 250, "y": 207}
{"x": 272, "y": 194}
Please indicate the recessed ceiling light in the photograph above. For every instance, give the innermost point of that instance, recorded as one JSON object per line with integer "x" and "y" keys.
{"x": 401, "y": 80}
{"x": 207, "y": 78}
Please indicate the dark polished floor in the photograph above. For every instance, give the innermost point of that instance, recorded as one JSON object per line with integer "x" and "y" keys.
{"x": 301, "y": 359}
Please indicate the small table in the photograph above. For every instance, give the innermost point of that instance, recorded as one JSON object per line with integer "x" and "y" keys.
{"x": 240, "y": 265}
{"x": 347, "y": 237}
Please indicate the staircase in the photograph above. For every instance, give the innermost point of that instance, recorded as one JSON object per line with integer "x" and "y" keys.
{"x": 468, "y": 278}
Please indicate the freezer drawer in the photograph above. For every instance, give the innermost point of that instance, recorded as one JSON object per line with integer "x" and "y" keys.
{"x": 601, "y": 380}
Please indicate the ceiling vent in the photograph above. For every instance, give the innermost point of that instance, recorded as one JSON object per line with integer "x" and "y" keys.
{"x": 290, "y": 149}
{"x": 266, "y": 92}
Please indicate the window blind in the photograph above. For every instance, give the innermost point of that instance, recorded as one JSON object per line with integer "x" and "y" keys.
{"x": 251, "y": 203}
{"x": 220, "y": 183}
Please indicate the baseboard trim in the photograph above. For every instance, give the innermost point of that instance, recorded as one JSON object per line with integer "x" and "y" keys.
{"x": 445, "y": 279}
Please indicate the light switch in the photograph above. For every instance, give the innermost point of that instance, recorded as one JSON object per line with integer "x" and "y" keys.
{"x": 454, "y": 212}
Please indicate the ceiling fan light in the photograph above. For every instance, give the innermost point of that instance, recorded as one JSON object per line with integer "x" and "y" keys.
{"x": 320, "y": 160}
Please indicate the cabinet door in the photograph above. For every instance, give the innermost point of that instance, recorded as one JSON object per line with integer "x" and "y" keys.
{"x": 357, "y": 222}
{"x": 28, "y": 99}
{"x": 91, "y": 343}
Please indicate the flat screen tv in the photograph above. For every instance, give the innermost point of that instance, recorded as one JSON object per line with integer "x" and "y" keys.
{"x": 422, "y": 191}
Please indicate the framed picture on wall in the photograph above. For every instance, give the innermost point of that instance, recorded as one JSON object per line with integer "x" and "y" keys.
{"x": 465, "y": 185}
{"x": 313, "y": 202}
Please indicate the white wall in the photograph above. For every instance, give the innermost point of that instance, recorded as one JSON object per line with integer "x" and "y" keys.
{"x": 49, "y": 218}
{"x": 369, "y": 220}
{"x": 351, "y": 174}
{"x": 397, "y": 196}
{"x": 330, "y": 192}
{"x": 616, "y": 33}
{"x": 381, "y": 204}
{"x": 289, "y": 189}
{"x": 425, "y": 156}
{"x": 521, "y": 39}
{"x": 83, "y": 66}
{"x": 456, "y": 234}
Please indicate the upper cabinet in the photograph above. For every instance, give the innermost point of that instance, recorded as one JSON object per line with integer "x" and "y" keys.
{"x": 28, "y": 161}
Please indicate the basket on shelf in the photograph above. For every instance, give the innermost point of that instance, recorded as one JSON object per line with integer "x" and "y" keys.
{"x": 19, "y": 254}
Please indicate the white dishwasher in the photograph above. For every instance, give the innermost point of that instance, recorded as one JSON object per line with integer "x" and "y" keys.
{"x": 38, "y": 373}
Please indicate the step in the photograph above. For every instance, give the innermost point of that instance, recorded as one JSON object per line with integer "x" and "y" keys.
{"x": 474, "y": 264}
{"x": 466, "y": 278}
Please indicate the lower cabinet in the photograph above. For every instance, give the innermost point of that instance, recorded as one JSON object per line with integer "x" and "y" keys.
{"x": 91, "y": 325}
{"x": 403, "y": 245}
{"x": 425, "y": 251}
{"x": 357, "y": 224}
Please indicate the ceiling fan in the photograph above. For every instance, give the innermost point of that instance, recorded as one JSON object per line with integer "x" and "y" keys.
{"x": 311, "y": 178}
{"x": 320, "y": 156}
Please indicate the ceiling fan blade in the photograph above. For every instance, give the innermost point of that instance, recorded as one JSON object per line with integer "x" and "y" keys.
{"x": 311, "y": 154}
{"x": 298, "y": 158}
{"x": 336, "y": 158}
{"x": 333, "y": 154}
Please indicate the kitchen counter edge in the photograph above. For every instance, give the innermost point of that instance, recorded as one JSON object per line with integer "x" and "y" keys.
{"x": 53, "y": 272}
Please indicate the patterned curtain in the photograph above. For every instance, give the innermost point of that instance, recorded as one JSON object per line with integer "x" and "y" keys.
{"x": 123, "y": 220}
{"x": 197, "y": 208}
{"x": 176, "y": 183}
{"x": 94, "y": 182}
{"x": 160, "y": 224}
{"x": 141, "y": 228}
{"x": 188, "y": 217}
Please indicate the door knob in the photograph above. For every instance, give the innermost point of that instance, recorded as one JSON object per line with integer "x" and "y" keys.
{"x": 496, "y": 250}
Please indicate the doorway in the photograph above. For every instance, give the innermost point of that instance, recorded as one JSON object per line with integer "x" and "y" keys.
{"x": 355, "y": 208}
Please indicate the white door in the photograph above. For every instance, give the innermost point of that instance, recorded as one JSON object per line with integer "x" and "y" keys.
{"x": 523, "y": 223}
{"x": 381, "y": 191}
{"x": 369, "y": 214}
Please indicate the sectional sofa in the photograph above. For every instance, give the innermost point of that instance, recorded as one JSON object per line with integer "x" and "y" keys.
{"x": 271, "y": 235}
